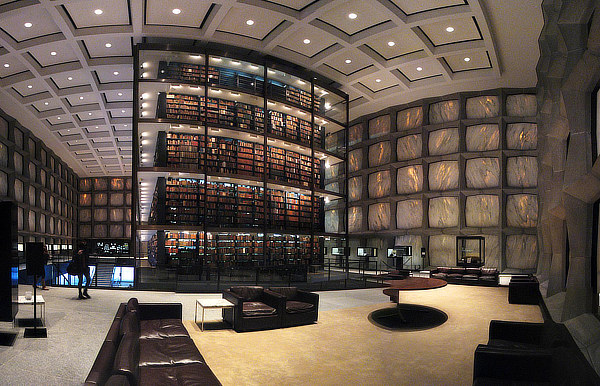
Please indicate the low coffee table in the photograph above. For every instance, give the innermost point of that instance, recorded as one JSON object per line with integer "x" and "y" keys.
{"x": 210, "y": 303}
{"x": 409, "y": 316}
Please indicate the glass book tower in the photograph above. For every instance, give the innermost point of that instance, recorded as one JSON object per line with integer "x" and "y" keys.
{"x": 240, "y": 170}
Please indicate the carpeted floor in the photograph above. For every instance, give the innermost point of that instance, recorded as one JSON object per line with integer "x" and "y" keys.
{"x": 345, "y": 348}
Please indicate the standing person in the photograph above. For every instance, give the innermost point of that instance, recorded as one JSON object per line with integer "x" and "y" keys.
{"x": 84, "y": 270}
{"x": 45, "y": 257}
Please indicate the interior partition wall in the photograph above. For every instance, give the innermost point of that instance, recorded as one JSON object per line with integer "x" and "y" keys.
{"x": 239, "y": 170}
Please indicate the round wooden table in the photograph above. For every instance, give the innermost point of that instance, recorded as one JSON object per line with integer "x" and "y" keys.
{"x": 409, "y": 316}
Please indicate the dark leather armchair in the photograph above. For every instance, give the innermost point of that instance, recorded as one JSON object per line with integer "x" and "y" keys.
{"x": 301, "y": 307}
{"x": 254, "y": 308}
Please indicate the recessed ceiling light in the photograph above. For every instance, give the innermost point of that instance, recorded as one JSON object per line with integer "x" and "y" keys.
{"x": 176, "y": 11}
{"x": 70, "y": 78}
{"x": 391, "y": 44}
{"x": 378, "y": 80}
{"x": 58, "y": 118}
{"x": 116, "y": 73}
{"x": 467, "y": 59}
{"x": 306, "y": 41}
{"x": 89, "y": 113}
{"x": 108, "y": 45}
{"x": 53, "y": 53}
{"x": 28, "y": 25}
{"x": 235, "y": 63}
{"x": 449, "y": 29}
{"x": 46, "y": 103}
{"x": 6, "y": 65}
{"x": 120, "y": 94}
{"x": 348, "y": 61}
{"x": 419, "y": 68}
{"x": 98, "y": 12}
{"x": 250, "y": 22}
{"x": 123, "y": 111}
{"x": 80, "y": 98}
{"x": 352, "y": 16}
{"x": 29, "y": 86}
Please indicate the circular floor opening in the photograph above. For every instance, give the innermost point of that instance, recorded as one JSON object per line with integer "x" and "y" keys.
{"x": 408, "y": 317}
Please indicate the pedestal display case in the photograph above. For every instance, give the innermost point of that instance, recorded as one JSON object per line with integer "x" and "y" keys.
{"x": 240, "y": 175}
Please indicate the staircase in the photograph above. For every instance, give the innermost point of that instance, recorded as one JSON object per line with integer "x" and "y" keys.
{"x": 104, "y": 273}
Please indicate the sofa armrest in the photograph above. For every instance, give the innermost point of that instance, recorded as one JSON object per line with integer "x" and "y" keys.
{"x": 150, "y": 311}
{"x": 274, "y": 300}
{"x": 532, "y": 365}
{"x": 308, "y": 297}
{"x": 521, "y": 332}
{"x": 232, "y": 297}
{"x": 127, "y": 358}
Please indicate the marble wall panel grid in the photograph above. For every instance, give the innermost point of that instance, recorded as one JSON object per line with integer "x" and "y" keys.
{"x": 484, "y": 137}
{"x": 355, "y": 134}
{"x": 379, "y": 216}
{"x": 521, "y": 251}
{"x": 379, "y": 184}
{"x": 521, "y": 136}
{"x": 445, "y": 111}
{"x": 443, "y": 212}
{"x": 409, "y": 214}
{"x": 482, "y": 210}
{"x": 355, "y": 160}
{"x": 355, "y": 218}
{"x": 522, "y": 210}
{"x": 444, "y": 141}
{"x": 379, "y": 126}
{"x": 483, "y": 107}
{"x": 443, "y": 175}
{"x": 380, "y": 153}
{"x": 332, "y": 221}
{"x": 442, "y": 250}
{"x": 409, "y": 118}
{"x": 355, "y": 189}
{"x": 409, "y": 147}
{"x": 522, "y": 172}
{"x": 521, "y": 105}
{"x": 409, "y": 179}
{"x": 482, "y": 173}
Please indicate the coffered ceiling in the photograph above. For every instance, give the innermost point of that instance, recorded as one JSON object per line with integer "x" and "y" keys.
{"x": 66, "y": 65}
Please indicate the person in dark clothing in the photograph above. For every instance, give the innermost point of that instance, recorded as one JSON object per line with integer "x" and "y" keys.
{"x": 84, "y": 270}
{"x": 46, "y": 257}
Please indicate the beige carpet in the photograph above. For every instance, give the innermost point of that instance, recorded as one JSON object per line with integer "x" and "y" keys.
{"x": 345, "y": 348}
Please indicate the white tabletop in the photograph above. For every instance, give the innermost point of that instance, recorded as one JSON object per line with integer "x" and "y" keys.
{"x": 214, "y": 303}
{"x": 39, "y": 299}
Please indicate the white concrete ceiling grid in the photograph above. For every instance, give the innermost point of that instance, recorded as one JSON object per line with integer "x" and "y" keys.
{"x": 75, "y": 91}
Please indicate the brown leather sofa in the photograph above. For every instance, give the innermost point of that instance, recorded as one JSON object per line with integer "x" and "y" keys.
{"x": 460, "y": 275}
{"x": 254, "y": 308}
{"x": 301, "y": 307}
{"x": 147, "y": 344}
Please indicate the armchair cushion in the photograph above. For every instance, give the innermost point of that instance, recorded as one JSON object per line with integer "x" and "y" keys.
{"x": 248, "y": 293}
{"x": 489, "y": 271}
{"x": 168, "y": 352}
{"x": 292, "y": 307}
{"x": 257, "y": 309}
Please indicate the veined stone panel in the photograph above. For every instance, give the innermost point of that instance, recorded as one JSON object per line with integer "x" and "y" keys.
{"x": 3, "y": 184}
{"x": 333, "y": 187}
{"x": 413, "y": 240}
{"x": 409, "y": 179}
{"x": 482, "y": 211}
{"x": 355, "y": 134}
{"x": 332, "y": 221}
{"x": 409, "y": 214}
{"x": 521, "y": 251}
{"x": 334, "y": 171}
{"x": 355, "y": 217}
{"x": 482, "y": 173}
{"x": 355, "y": 188}
{"x": 446, "y": 111}
{"x": 522, "y": 172}
{"x": 483, "y": 137}
{"x": 355, "y": 160}
{"x": 3, "y": 155}
{"x": 444, "y": 141}
{"x": 521, "y": 136}
{"x": 379, "y": 126}
{"x": 521, "y": 105}
{"x": 409, "y": 118}
{"x": 409, "y": 147}
{"x": 521, "y": 210}
{"x": 443, "y": 175}
{"x": 379, "y": 216}
{"x": 442, "y": 251}
{"x": 379, "y": 184}
{"x": 379, "y": 153}
{"x": 483, "y": 107}
{"x": 443, "y": 212}
{"x": 492, "y": 251}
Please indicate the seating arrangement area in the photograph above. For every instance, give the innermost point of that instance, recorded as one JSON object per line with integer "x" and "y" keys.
{"x": 257, "y": 308}
{"x": 473, "y": 276}
{"x": 148, "y": 344}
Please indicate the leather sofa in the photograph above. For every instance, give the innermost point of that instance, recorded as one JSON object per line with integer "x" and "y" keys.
{"x": 147, "y": 344}
{"x": 301, "y": 307}
{"x": 254, "y": 308}
{"x": 460, "y": 275}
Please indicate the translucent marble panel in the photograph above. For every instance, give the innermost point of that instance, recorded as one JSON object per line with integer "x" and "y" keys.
{"x": 443, "y": 175}
{"x": 409, "y": 147}
{"x": 355, "y": 160}
{"x": 355, "y": 188}
{"x": 42, "y": 177}
{"x": 117, "y": 199}
{"x": 128, "y": 215}
{"x": 409, "y": 179}
{"x": 443, "y": 212}
{"x": 492, "y": 251}
{"x": 409, "y": 118}
{"x": 482, "y": 173}
{"x": 128, "y": 199}
{"x": 334, "y": 171}
{"x": 117, "y": 184}
{"x": 31, "y": 172}
{"x": 355, "y": 134}
{"x": 20, "y": 221}
{"x": 18, "y": 190}
{"x": 482, "y": 211}
{"x": 3, "y": 184}
{"x": 51, "y": 225}
{"x": 483, "y": 137}
{"x": 332, "y": 221}
{"x": 521, "y": 251}
{"x": 446, "y": 111}
{"x": 31, "y": 221}
{"x": 32, "y": 196}
{"x": 379, "y": 153}
{"x": 100, "y": 215}
{"x": 522, "y": 172}
{"x": 379, "y": 126}
{"x": 85, "y": 215}
{"x": 128, "y": 184}
{"x": 409, "y": 214}
{"x": 127, "y": 230}
{"x": 116, "y": 230}
{"x": 42, "y": 223}
{"x": 333, "y": 187}
{"x": 18, "y": 161}
{"x": 521, "y": 105}
{"x": 521, "y": 210}
{"x": 18, "y": 138}
{"x": 416, "y": 242}
{"x": 100, "y": 231}
{"x": 116, "y": 215}
{"x": 442, "y": 251}
{"x": 521, "y": 136}
{"x": 483, "y": 107}
{"x": 379, "y": 216}
{"x": 100, "y": 199}
{"x": 443, "y": 141}
{"x": 3, "y": 155}
{"x": 85, "y": 184}
{"x": 85, "y": 199}
{"x": 85, "y": 231}
{"x": 100, "y": 184}
{"x": 355, "y": 217}
{"x": 379, "y": 184}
